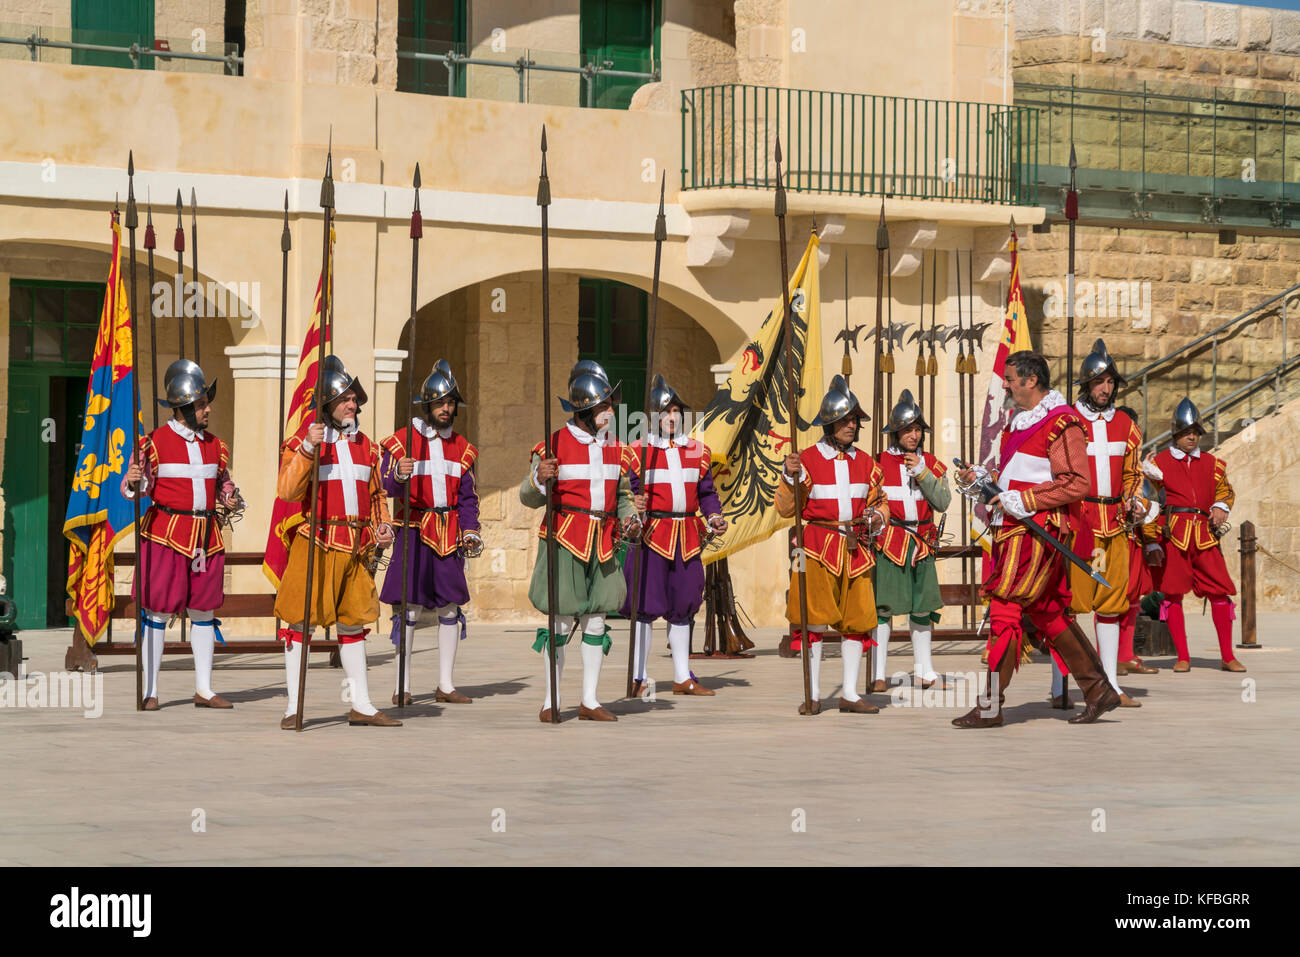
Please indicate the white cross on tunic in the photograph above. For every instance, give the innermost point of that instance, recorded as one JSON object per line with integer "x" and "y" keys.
{"x": 906, "y": 492}
{"x": 843, "y": 491}
{"x": 196, "y": 471}
{"x": 596, "y": 472}
{"x": 673, "y": 476}
{"x": 438, "y": 467}
{"x": 346, "y": 472}
{"x": 1102, "y": 451}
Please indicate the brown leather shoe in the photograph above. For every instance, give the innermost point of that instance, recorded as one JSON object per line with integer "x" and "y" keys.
{"x": 289, "y": 723}
{"x": 1093, "y": 710}
{"x": 879, "y": 685}
{"x": 976, "y": 718}
{"x": 1137, "y": 667}
{"x": 544, "y": 716}
{"x": 1182, "y": 667}
{"x": 1126, "y": 702}
{"x": 1062, "y": 702}
{"x": 598, "y": 714}
{"x": 816, "y": 708}
{"x": 1233, "y": 665}
{"x": 406, "y": 699}
{"x": 451, "y": 697}
{"x": 150, "y": 704}
{"x": 691, "y": 686}
{"x": 376, "y": 720}
{"x": 861, "y": 706}
{"x": 927, "y": 685}
{"x": 216, "y": 701}
{"x": 984, "y": 655}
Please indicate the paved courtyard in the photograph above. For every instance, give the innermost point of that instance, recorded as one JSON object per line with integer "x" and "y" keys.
{"x": 1197, "y": 776}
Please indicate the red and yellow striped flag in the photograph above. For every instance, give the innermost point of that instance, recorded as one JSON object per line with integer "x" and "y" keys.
{"x": 286, "y": 516}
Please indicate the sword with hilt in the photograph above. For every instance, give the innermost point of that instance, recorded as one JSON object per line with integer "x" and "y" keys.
{"x": 544, "y": 201}
{"x": 132, "y": 223}
{"x": 326, "y": 284}
{"x": 985, "y": 489}
{"x": 792, "y": 402}
{"x": 634, "y": 600}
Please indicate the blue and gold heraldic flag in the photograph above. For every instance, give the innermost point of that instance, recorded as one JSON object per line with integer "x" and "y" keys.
{"x": 98, "y": 513}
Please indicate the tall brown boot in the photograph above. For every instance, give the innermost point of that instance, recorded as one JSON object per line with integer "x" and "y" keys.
{"x": 978, "y": 716}
{"x": 1085, "y": 667}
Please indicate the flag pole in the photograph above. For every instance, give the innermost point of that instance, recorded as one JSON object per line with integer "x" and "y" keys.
{"x": 326, "y": 284}
{"x": 792, "y": 400}
{"x": 132, "y": 222}
{"x": 661, "y": 234}
{"x": 544, "y": 201}
{"x": 411, "y": 529}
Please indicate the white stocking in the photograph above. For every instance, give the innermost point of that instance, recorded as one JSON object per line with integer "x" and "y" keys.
{"x": 679, "y": 641}
{"x": 1108, "y": 648}
{"x": 881, "y": 652}
{"x": 353, "y": 657}
{"x": 815, "y": 669}
{"x": 153, "y": 636}
{"x": 642, "y": 632}
{"x": 851, "y": 652}
{"x": 561, "y": 629}
{"x": 921, "y": 664}
{"x": 448, "y": 642}
{"x": 203, "y": 644}
{"x": 1058, "y": 679}
{"x": 410, "y": 648}
{"x": 292, "y": 658}
{"x": 591, "y": 660}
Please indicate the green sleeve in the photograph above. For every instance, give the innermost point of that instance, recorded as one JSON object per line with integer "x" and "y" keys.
{"x": 528, "y": 494}
{"x": 935, "y": 490}
{"x": 625, "y": 506}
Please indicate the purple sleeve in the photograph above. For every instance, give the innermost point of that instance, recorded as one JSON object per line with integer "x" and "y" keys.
{"x": 709, "y": 504}
{"x": 467, "y": 501}
{"x": 634, "y": 480}
{"x": 388, "y": 473}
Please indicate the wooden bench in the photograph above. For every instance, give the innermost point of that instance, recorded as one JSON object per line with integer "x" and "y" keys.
{"x": 80, "y": 656}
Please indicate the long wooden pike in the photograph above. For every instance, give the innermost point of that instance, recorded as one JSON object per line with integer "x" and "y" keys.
{"x": 178, "y": 246}
{"x": 932, "y": 367}
{"x": 846, "y": 364}
{"x": 882, "y": 244}
{"x": 286, "y": 243}
{"x": 150, "y": 244}
{"x": 634, "y": 600}
{"x": 324, "y": 332}
{"x": 194, "y": 271}
{"x": 552, "y": 596}
{"x": 410, "y": 529}
{"x": 964, "y": 506}
{"x": 792, "y": 400}
{"x": 132, "y": 222}
{"x": 1072, "y": 217}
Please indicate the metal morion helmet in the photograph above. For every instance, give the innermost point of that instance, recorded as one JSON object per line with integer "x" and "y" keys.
{"x": 904, "y": 414}
{"x": 839, "y": 402}
{"x": 183, "y": 385}
{"x": 1097, "y": 362}
{"x": 440, "y": 384}
{"x": 1186, "y": 416}
{"x": 662, "y": 395}
{"x": 336, "y": 380}
{"x": 588, "y": 387}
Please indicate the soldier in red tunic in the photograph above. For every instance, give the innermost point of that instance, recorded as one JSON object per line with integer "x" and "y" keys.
{"x": 1044, "y": 469}
{"x": 679, "y": 487}
{"x": 352, "y": 518}
{"x": 182, "y": 555}
{"x": 1197, "y": 501}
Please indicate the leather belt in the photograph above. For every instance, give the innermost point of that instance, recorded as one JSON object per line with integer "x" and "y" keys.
{"x": 654, "y": 514}
{"x": 1103, "y": 499}
{"x": 848, "y": 529}
{"x": 197, "y": 512}
{"x": 1187, "y": 510}
{"x": 910, "y": 526}
{"x": 356, "y": 524}
{"x": 586, "y": 511}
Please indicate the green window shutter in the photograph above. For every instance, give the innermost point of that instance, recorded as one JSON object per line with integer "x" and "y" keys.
{"x": 625, "y": 35}
{"x": 112, "y": 23}
{"x": 430, "y": 26}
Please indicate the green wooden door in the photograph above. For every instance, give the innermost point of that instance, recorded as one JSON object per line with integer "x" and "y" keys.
{"x": 623, "y": 35}
{"x": 430, "y": 26}
{"x": 26, "y": 485}
{"x": 612, "y": 330}
{"x": 112, "y": 23}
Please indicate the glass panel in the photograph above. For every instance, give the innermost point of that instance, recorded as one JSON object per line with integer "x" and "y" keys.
{"x": 625, "y": 338}
{"x": 586, "y": 336}
{"x": 84, "y": 306}
{"x": 47, "y": 345}
{"x": 20, "y": 303}
{"x": 586, "y": 301}
{"x": 49, "y": 305}
{"x": 20, "y": 343}
{"x": 80, "y": 343}
{"x": 628, "y": 302}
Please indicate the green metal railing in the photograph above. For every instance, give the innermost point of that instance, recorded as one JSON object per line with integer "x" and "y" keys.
{"x": 859, "y": 144}
{"x": 1172, "y": 153}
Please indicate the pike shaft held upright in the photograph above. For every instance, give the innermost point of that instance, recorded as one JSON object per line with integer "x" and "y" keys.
{"x": 552, "y": 589}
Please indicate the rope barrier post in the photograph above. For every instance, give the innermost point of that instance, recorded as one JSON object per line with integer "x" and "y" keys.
{"x": 1246, "y": 545}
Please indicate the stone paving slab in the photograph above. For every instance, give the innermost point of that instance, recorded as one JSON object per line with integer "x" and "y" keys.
{"x": 1196, "y": 776}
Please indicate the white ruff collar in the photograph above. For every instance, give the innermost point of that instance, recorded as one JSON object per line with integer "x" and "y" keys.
{"x": 1092, "y": 416}
{"x": 1179, "y": 454}
{"x": 1030, "y": 417}
{"x": 428, "y": 431}
{"x": 659, "y": 442}
{"x": 351, "y": 433}
{"x": 185, "y": 432}
{"x": 829, "y": 451}
{"x": 601, "y": 438}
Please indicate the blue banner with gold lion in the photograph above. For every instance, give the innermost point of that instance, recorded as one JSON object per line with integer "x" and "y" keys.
{"x": 98, "y": 513}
